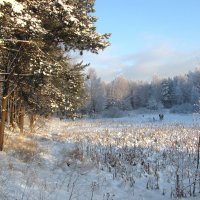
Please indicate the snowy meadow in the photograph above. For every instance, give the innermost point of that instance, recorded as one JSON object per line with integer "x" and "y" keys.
{"x": 135, "y": 157}
{"x": 124, "y": 149}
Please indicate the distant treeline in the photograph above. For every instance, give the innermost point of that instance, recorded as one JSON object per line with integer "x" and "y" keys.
{"x": 180, "y": 94}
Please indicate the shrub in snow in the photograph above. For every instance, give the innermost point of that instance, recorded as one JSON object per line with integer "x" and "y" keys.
{"x": 113, "y": 112}
{"x": 185, "y": 108}
{"x": 154, "y": 105}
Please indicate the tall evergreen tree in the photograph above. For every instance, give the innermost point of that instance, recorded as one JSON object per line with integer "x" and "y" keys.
{"x": 34, "y": 37}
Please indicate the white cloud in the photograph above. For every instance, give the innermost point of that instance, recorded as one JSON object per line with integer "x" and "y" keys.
{"x": 163, "y": 60}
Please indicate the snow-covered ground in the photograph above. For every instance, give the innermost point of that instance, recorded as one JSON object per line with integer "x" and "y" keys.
{"x": 130, "y": 158}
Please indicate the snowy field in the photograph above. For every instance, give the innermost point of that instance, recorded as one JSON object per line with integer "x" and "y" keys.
{"x": 131, "y": 158}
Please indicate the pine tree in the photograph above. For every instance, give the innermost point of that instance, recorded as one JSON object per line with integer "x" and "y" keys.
{"x": 166, "y": 93}
{"x": 34, "y": 38}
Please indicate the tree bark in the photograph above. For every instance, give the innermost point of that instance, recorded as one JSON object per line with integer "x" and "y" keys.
{"x": 3, "y": 111}
{"x": 32, "y": 118}
{"x": 12, "y": 114}
{"x": 21, "y": 118}
{"x": 3, "y": 118}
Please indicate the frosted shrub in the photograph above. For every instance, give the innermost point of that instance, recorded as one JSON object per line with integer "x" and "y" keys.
{"x": 113, "y": 112}
{"x": 185, "y": 108}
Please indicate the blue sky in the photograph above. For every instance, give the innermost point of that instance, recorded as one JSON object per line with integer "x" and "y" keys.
{"x": 149, "y": 37}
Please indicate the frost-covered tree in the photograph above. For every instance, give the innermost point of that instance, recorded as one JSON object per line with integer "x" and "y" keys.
{"x": 55, "y": 22}
{"x": 186, "y": 87}
{"x": 195, "y": 95}
{"x": 152, "y": 104}
{"x": 178, "y": 90}
{"x": 194, "y": 79}
{"x": 30, "y": 32}
{"x": 96, "y": 93}
{"x": 166, "y": 93}
{"x": 117, "y": 90}
{"x": 156, "y": 88}
{"x": 63, "y": 91}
